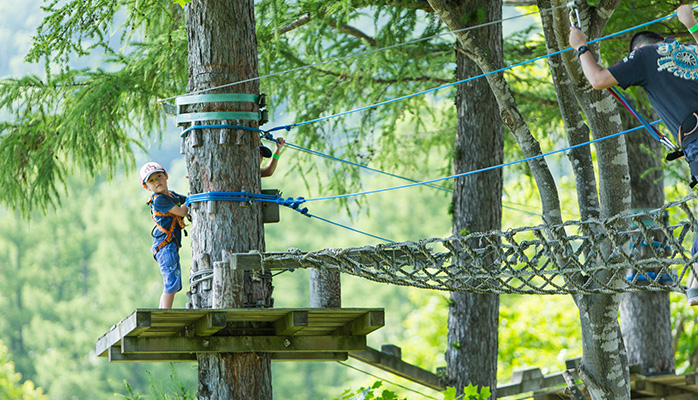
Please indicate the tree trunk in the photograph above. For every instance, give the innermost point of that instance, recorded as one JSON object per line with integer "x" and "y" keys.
{"x": 477, "y": 206}
{"x": 223, "y": 49}
{"x": 645, "y": 317}
{"x": 604, "y": 362}
{"x": 325, "y": 288}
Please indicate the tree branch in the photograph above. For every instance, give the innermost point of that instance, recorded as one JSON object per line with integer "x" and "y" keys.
{"x": 350, "y": 30}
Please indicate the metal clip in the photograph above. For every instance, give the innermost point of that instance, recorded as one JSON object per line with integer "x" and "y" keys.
{"x": 574, "y": 14}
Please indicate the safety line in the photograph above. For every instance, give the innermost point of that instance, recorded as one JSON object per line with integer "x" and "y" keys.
{"x": 481, "y": 169}
{"x": 296, "y": 147}
{"x": 409, "y": 96}
{"x": 348, "y": 227}
{"x": 364, "y": 53}
{"x": 384, "y": 380}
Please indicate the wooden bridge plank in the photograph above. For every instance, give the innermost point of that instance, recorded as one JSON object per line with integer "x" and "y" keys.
{"x": 133, "y": 325}
{"x": 291, "y": 323}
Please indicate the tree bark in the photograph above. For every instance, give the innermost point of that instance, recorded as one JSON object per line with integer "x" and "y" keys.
{"x": 473, "y": 319}
{"x": 325, "y": 288}
{"x": 645, "y": 317}
{"x": 223, "y": 49}
{"x": 508, "y": 110}
{"x": 604, "y": 361}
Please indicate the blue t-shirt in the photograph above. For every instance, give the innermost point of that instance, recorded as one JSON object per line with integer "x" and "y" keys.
{"x": 668, "y": 72}
{"x": 162, "y": 204}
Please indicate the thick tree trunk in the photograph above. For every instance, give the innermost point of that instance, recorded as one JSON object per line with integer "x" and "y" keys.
{"x": 645, "y": 317}
{"x": 223, "y": 49}
{"x": 477, "y": 204}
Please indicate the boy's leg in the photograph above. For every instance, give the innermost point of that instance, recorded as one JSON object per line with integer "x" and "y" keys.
{"x": 166, "y": 300}
{"x": 168, "y": 259}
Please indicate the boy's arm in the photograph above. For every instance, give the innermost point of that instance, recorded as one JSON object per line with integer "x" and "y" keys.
{"x": 179, "y": 211}
{"x": 686, "y": 17}
{"x": 269, "y": 169}
{"x": 599, "y": 78}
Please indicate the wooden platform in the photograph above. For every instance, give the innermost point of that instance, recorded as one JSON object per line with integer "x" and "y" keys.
{"x": 312, "y": 334}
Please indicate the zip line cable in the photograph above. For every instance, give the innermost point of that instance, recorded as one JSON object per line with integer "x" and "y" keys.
{"x": 364, "y": 53}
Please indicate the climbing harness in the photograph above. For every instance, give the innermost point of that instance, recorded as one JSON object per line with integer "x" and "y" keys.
{"x": 177, "y": 221}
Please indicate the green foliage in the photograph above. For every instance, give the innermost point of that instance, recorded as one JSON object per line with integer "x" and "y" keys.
{"x": 11, "y": 386}
{"x": 176, "y": 390}
{"x": 470, "y": 392}
{"x": 367, "y": 393}
{"x": 81, "y": 121}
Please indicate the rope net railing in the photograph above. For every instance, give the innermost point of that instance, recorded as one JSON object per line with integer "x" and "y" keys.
{"x": 643, "y": 251}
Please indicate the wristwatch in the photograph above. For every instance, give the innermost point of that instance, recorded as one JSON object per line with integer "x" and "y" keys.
{"x": 582, "y": 49}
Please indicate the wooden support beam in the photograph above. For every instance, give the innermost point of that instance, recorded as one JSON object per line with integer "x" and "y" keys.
{"x": 396, "y": 366}
{"x": 133, "y": 325}
{"x": 115, "y": 355}
{"x": 243, "y": 344}
{"x": 312, "y": 356}
{"x": 209, "y": 324}
{"x": 363, "y": 325}
{"x": 291, "y": 323}
{"x": 529, "y": 380}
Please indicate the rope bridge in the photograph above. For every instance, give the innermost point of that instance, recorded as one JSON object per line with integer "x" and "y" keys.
{"x": 629, "y": 253}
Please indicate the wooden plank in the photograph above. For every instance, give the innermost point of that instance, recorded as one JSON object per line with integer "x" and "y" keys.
{"x": 310, "y": 356}
{"x": 210, "y": 323}
{"x": 396, "y": 366}
{"x": 363, "y": 325}
{"x": 133, "y": 325}
{"x": 291, "y": 323}
{"x": 243, "y": 344}
{"x": 115, "y": 355}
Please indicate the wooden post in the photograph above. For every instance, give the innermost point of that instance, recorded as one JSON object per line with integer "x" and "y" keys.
{"x": 325, "y": 288}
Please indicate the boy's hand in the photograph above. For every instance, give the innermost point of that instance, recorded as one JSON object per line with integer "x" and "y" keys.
{"x": 685, "y": 15}
{"x": 279, "y": 144}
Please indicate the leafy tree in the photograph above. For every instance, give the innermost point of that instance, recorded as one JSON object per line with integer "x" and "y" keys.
{"x": 10, "y": 381}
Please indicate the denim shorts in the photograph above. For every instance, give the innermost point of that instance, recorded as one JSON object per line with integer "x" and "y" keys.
{"x": 168, "y": 260}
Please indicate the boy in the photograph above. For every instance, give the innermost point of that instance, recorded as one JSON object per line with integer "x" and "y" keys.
{"x": 168, "y": 209}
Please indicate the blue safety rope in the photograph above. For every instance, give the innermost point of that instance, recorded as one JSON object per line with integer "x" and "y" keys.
{"x": 288, "y": 127}
{"x": 481, "y": 169}
{"x": 291, "y": 203}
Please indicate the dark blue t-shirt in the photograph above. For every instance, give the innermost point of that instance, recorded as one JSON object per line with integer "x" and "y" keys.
{"x": 162, "y": 204}
{"x": 669, "y": 74}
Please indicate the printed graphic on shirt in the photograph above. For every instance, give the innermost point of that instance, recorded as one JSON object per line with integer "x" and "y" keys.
{"x": 681, "y": 60}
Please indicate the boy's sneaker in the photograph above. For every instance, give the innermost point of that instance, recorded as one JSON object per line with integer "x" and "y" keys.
{"x": 692, "y": 295}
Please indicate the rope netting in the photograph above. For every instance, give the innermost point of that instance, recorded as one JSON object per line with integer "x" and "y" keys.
{"x": 643, "y": 251}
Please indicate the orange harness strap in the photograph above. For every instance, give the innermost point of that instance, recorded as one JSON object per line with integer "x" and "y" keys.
{"x": 176, "y": 220}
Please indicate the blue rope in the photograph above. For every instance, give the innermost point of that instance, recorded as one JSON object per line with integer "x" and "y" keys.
{"x": 291, "y": 203}
{"x": 479, "y": 170}
{"x": 288, "y": 127}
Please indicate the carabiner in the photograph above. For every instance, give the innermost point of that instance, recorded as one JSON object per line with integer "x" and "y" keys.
{"x": 574, "y": 15}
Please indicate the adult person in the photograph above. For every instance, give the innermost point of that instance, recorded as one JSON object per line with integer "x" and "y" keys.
{"x": 668, "y": 72}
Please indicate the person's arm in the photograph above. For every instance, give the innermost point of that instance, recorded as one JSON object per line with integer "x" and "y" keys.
{"x": 686, "y": 17}
{"x": 179, "y": 211}
{"x": 598, "y": 77}
{"x": 269, "y": 169}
